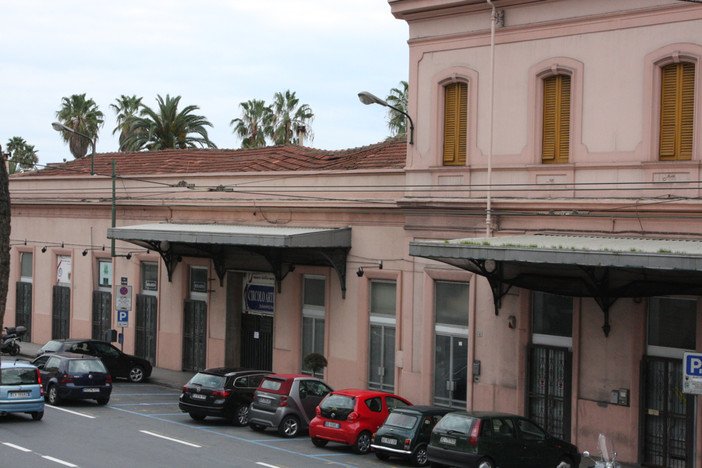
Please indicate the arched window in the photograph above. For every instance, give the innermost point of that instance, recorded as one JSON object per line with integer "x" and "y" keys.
{"x": 455, "y": 123}
{"x": 556, "y": 119}
{"x": 677, "y": 111}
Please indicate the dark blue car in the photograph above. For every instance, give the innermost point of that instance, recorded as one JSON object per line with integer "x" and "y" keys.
{"x": 68, "y": 376}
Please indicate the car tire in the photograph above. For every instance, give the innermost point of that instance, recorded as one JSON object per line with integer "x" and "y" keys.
{"x": 102, "y": 401}
{"x": 257, "y": 427}
{"x": 485, "y": 463}
{"x": 289, "y": 426}
{"x": 419, "y": 457}
{"x": 363, "y": 443}
{"x": 381, "y": 454}
{"x": 321, "y": 443}
{"x": 37, "y": 415}
{"x": 14, "y": 349}
{"x": 136, "y": 374}
{"x": 197, "y": 417}
{"x": 565, "y": 462}
{"x": 52, "y": 395}
{"x": 241, "y": 415}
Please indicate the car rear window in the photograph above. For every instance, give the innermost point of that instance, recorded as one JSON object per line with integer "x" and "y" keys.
{"x": 19, "y": 376}
{"x": 51, "y": 347}
{"x": 455, "y": 423}
{"x": 208, "y": 380}
{"x": 338, "y": 402}
{"x": 405, "y": 421}
{"x": 81, "y": 366}
{"x": 272, "y": 385}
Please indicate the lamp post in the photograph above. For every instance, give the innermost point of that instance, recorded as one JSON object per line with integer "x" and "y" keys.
{"x": 59, "y": 127}
{"x": 367, "y": 98}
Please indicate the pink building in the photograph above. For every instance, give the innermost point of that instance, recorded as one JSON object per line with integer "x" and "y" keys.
{"x": 535, "y": 250}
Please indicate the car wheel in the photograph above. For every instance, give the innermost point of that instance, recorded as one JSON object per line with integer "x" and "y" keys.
{"x": 382, "y": 455}
{"x": 136, "y": 374}
{"x": 289, "y": 426}
{"x": 197, "y": 417}
{"x": 564, "y": 462}
{"x": 486, "y": 463}
{"x": 257, "y": 427}
{"x": 52, "y": 395}
{"x": 14, "y": 349}
{"x": 363, "y": 443}
{"x": 102, "y": 401}
{"x": 37, "y": 415}
{"x": 241, "y": 415}
{"x": 319, "y": 442}
{"x": 419, "y": 457}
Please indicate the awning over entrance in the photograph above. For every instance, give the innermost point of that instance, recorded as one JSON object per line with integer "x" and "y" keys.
{"x": 254, "y": 248}
{"x": 604, "y": 268}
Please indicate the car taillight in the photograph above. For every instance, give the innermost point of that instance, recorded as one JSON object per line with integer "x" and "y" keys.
{"x": 474, "y": 433}
{"x": 220, "y": 394}
{"x": 65, "y": 378}
{"x": 109, "y": 378}
{"x": 353, "y": 416}
{"x": 186, "y": 388}
{"x": 408, "y": 443}
{"x": 41, "y": 389}
{"x": 283, "y": 401}
{"x": 318, "y": 412}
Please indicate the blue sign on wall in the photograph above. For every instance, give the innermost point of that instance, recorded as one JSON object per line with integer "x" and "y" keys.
{"x": 259, "y": 297}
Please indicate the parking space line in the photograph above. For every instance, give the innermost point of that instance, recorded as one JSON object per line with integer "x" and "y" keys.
{"x": 72, "y": 412}
{"x": 60, "y": 462}
{"x": 16, "y": 447}
{"x": 171, "y": 439}
{"x": 266, "y": 464}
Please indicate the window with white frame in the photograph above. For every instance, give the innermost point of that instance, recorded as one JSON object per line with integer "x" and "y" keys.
{"x": 313, "y": 313}
{"x": 26, "y": 267}
{"x": 104, "y": 274}
{"x": 671, "y": 326}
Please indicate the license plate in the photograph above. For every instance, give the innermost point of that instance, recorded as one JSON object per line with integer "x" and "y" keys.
{"x": 388, "y": 441}
{"x": 264, "y": 401}
{"x": 198, "y": 396}
{"x": 19, "y": 394}
{"x": 333, "y": 425}
{"x": 91, "y": 390}
{"x": 448, "y": 440}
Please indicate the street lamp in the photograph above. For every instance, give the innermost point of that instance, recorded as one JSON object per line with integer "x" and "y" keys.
{"x": 59, "y": 127}
{"x": 367, "y": 98}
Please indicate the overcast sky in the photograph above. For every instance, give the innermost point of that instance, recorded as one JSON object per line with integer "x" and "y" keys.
{"x": 215, "y": 54}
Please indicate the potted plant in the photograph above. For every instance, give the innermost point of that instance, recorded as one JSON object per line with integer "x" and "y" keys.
{"x": 315, "y": 362}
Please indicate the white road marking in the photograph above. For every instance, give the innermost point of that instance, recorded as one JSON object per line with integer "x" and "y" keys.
{"x": 61, "y": 462}
{"x": 72, "y": 412}
{"x": 171, "y": 439}
{"x": 16, "y": 447}
{"x": 266, "y": 464}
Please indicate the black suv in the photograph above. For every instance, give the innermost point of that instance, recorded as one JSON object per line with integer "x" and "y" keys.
{"x": 118, "y": 363}
{"x": 223, "y": 392}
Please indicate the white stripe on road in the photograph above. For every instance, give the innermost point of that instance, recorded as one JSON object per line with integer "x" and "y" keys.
{"x": 72, "y": 412}
{"x": 171, "y": 439}
{"x": 266, "y": 464}
{"x": 16, "y": 447}
{"x": 61, "y": 462}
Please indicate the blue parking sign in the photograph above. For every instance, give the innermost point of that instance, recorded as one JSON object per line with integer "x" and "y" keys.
{"x": 692, "y": 373}
{"x": 122, "y": 318}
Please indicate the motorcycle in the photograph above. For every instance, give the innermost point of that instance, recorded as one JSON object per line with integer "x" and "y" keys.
{"x": 10, "y": 340}
{"x": 608, "y": 457}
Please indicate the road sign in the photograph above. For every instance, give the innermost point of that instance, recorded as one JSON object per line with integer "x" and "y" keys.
{"x": 122, "y": 318}
{"x": 123, "y": 299}
{"x": 692, "y": 373}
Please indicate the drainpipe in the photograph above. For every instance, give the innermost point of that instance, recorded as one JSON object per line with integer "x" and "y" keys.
{"x": 488, "y": 217}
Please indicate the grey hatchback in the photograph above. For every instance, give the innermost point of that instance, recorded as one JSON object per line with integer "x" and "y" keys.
{"x": 286, "y": 402}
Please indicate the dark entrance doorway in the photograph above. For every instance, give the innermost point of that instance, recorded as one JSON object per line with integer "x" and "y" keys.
{"x": 550, "y": 388}
{"x": 257, "y": 341}
{"x": 23, "y": 310}
{"x": 194, "y": 335}
{"x": 102, "y": 314}
{"x": 145, "y": 329}
{"x": 61, "y": 312}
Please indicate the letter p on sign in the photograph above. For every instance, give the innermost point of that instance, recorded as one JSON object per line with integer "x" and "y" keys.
{"x": 693, "y": 364}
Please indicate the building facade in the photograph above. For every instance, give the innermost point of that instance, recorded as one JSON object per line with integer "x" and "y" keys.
{"x": 535, "y": 250}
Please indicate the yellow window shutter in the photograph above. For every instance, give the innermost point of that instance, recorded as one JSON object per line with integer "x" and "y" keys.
{"x": 677, "y": 111}
{"x": 455, "y": 123}
{"x": 564, "y": 120}
{"x": 687, "y": 110}
{"x": 556, "y": 119}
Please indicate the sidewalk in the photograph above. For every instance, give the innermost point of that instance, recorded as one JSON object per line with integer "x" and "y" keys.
{"x": 166, "y": 377}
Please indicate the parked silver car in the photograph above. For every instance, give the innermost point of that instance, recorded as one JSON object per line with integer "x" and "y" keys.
{"x": 286, "y": 402}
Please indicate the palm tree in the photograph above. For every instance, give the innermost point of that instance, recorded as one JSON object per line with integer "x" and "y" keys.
{"x": 397, "y": 122}
{"x": 166, "y": 127}
{"x": 83, "y": 116}
{"x": 291, "y": 120}
{"x": 254, "y": 124}
{"x": 23, "y": 157}
{"x": 126, "y": 108}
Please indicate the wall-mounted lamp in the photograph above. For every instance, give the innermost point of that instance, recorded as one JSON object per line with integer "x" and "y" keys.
{"x": 367, "y": 98}
{"x": 359, "y": 273}
{"x": 85, "y": 252}
{"x": 43, "y": 249}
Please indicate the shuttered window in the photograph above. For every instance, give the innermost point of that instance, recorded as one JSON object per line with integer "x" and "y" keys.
{"x": 556, "y": 123}
{"x": 455, "y": 124}
{"x": 677, "y": 111}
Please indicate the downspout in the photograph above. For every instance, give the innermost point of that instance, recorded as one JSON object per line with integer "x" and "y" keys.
{"x": 488, "y": 217}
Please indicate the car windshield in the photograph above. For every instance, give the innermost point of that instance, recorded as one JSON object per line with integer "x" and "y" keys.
{"x": 455, "y": 423}
{"x": 208, "y": 380}
{"x": 51, "y": 347}
{"x": 19, "y": 376}
{"x": 403, "y": 420}
{"x": 81, "y": 366}
{"x": 338, "y": 402}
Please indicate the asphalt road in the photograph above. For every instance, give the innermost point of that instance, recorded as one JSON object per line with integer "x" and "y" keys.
{"x": 142, "y": 426}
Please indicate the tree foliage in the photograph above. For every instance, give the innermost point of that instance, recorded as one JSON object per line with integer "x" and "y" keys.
{"x": 397, "y": 123}
{"x": 291, "y": 119}
{"x": 23, "y": 156}
{"x": 126, "y": 108}
{"x": 167, "y": 127}
{"x": 83, "y": 116}
{"x": 254, "y": 124}
{"x": 4, "y": 236}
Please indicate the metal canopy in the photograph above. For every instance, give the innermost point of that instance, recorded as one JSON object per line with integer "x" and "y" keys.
{"x": 604, "y": 268}
{"x": 255, "y": 248}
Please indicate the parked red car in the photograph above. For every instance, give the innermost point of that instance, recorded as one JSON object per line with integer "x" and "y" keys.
{"x": 352, "y": 416}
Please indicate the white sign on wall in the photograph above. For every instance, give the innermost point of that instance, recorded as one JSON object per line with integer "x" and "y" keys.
{"x": 63, "y": 269}
{"x": 259, "y": 293}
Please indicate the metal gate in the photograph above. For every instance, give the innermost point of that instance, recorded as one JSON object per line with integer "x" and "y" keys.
{"x": 194, "y": 335}
{"x": 23, "y": 308}
{"x": 145, "y": 328}
{"x": 550, "y": 378}
{"x": 257, "y": 341}
{"x": 381, "y": 367}
{"x": 102, "y": 313}
{"x": 60, "y": 312}
{"x": 450, "y": 370}
{"x": 667, "y": 415}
